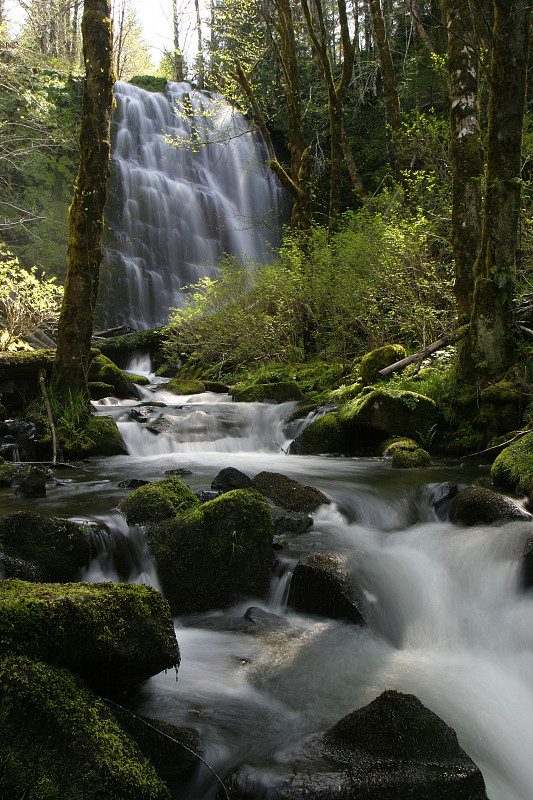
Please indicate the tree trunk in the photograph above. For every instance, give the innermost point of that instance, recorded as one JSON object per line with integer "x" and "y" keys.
{"x": 179, "y": 74}
{"x": 86, "y": 213}
{"x": 200, "y": 54}
{"x": 466, "y": 150}
{"x": 489, "y": 347}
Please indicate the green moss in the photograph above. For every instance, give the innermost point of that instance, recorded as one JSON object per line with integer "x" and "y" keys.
{"x": 140, "y": 380}
{"x": 150, "y": 83}
{"x": 186, "y": 386}
{"x": 323, "y": 435}
{"x": 389, "y": 446}
{"x": 97, "y": 436}
{"x": 103, "y": 370}
{"x": 379, "y": 359}
{"x": 216, "y": 553}
{"x": 111, "y": 635}
{"x": 8, "y": 473}
{"x": 278, "y": 392}
{"x": 410, "y": 459}
{"x": 99, "y": 389}
{"x": 513, "y": 467}
{"x": 157, "y": 501}
{"x": 58, "y": 547}
{"x": 60, "y": 742}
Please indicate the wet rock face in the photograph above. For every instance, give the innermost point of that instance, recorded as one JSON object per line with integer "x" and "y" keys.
{"x": 320, "y": 585}
{"x": 288, "y": 493}
{"x": 477, "y": 504}
{"x": 392, "y": 749}
{"x": 230, "y": 478}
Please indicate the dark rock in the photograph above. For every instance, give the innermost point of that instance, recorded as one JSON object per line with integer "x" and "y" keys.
{"x": 320, "y": 585}
{"x": 215, "y": 386}
{"x": 287, "y": 493}
{"x": 33, "y": 483}
{"x": 443, "y": 495}
{"x": 58, "y": 740}
{"x": 392, "y": 749}
{"x": 476, "y": 505}
{"x": 229, "y": 479}
{"x": 205, "y": 496}
{"x": 111, "y": 634}
{"x": 255, "y": 620}
{"x": 527, "y": 565}
{"x": 58, "y": 548}
{"x": 216, "y": 553}
{"x": 17, "y": 568}
{"x": 132, "y": 483}
{"x": 98, "y": 390}
{"x": 290, "y": 522}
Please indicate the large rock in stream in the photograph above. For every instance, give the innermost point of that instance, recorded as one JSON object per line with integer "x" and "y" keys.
{"x": 112, "y": 635}
{"x": 216, "y": 553}
{"x": 58, "y": 740}
{"x": 392, "y": 749}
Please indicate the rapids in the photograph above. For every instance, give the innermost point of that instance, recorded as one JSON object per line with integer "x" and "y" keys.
{"x": 448, "y": 621}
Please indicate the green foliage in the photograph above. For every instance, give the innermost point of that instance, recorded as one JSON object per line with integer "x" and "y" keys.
{"x": 70, "y": 417}
{"x": 373, "y": 282}
{"x": 27, "y": 302}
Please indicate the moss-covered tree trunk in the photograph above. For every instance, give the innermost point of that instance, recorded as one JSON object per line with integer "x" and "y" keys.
{"x": 86, "y": 213}
{"x": 466, "y": 149}
{"x": 489, "y": 348}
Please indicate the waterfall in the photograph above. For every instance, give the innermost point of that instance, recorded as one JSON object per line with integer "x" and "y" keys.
{"x": 190, "y": 182}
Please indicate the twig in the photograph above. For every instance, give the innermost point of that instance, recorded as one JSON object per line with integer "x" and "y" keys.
{"x": 498, "y": 446}
{"x": 170, "y": 738}
{"x": 42, "y": 375}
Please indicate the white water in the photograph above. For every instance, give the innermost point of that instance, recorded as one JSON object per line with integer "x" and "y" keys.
{"x": 190, "y": 182}
{"x": 448, "y": 620}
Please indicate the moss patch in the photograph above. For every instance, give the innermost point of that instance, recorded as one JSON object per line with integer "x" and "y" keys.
{"x": 513, "y": 467}
{"x": 103, "y": 370}
{"x": 379, "y": 359}
{"x": 278, "y": 392}
{"x": 410, "y": 459}
{"x": 58, "y": 741}
{"x": 185, "y": 386}
{"x": 110, "y": 634}
{"x": 158, "y": 501}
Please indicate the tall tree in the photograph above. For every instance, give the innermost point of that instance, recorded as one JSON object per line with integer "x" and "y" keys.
{"x": 86, "y": 213}
{"x": 200, "y": 50}
{"x": 489, "y": 347}
{"x": 466, "y": 148}
{"x": 177, "y": 60}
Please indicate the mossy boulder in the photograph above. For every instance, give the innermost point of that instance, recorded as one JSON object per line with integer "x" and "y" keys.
{"x": 513, "y": 467}
{"x": 157, "y": 501}
{"x": 58, "y": 740}
{"x": 185, "y": 386}
{"x": 56, "y": 548}
{"x": 112, "y": 635}
{"x": 397, "y": 443}
{"x": 477, "y": 504}
{"x": 98, "y": 390}
{"x": 217, "y": 387}
{"x": 322, "y": 435}
{"x": 410, "y": 459}
{"x": 8, "y": 473}
{"x": 216, "y": 553}
{"x": 103, "y": 370}
{"x": 288, "y": 493}
{"x": 321, "y": 585}
{"x": 392, "y": 748}
{"x": 379, "y": 359}
{"x": 95, "y": 436}
{"x": 140, "y": 380}
{"x": 275, "y": 392}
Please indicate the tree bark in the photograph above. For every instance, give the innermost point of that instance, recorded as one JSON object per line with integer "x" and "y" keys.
{"x": 86, "y": 213}
{"x": 177, "y": 60}
{"x": 466, "y": 149}
{"x": 489, "y": 348}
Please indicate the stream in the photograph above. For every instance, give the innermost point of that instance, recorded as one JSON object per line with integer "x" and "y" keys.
{"x": 447, "y": 621}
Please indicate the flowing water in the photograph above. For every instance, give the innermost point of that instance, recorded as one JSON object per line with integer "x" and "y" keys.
{"x": 447, "y": 619}
{"x": 190, "y": 182}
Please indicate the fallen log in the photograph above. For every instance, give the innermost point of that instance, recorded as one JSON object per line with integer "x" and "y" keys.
{"x": 440, "y": 344}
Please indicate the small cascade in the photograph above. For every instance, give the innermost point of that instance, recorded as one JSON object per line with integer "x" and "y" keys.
{"x": 190, "y": 183}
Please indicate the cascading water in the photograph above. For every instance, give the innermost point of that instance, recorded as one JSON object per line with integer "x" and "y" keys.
{"x": 190, "y": 183}
{"x": 448, "y": 620}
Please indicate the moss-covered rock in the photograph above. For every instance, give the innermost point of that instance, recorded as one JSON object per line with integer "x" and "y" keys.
{"x": 218, "y": 552}
{"x": 98, "y": 436}
{"x": 276, "y": 392}
{"x": 8, "y": 473}
{"x": 103, "y": 370}
{"x": 217, "y": 387}
{"x": 403, "y": 458}
{"x": 477, "y": 504}
{"x": 288, "y": 493}
{"x": 59, "y": 741}
{"x": 379, "y": 359}
{"x": 112, "y": 635}
{"x": 397, "y": 443}
{"x": 185, "y": 386}
{"x": 99, "y": 390}
{"x": 513, "y": 467}
{"x": 321, "y": 585}
{"x": 157, "y": 501}
{"x": 57, "y": 548}
{"x": 322, "y": 435}
{"x": 140, "y": 380}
